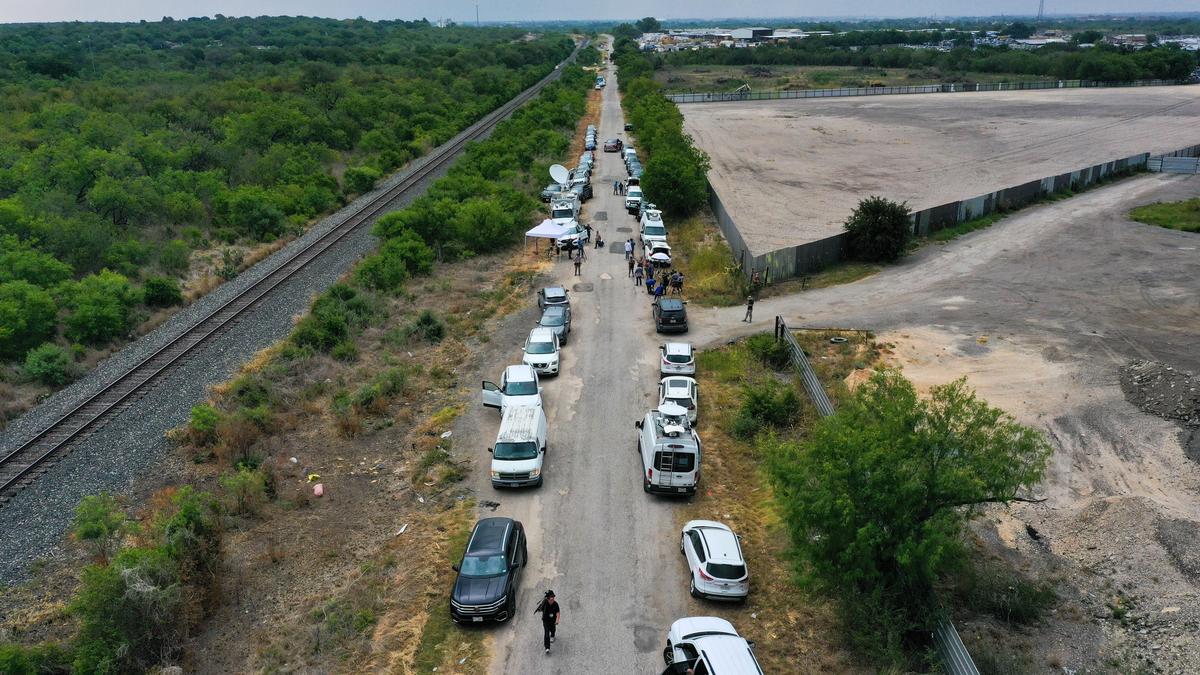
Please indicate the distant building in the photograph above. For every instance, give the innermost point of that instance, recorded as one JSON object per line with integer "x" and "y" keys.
{"x": 755, "y": 34}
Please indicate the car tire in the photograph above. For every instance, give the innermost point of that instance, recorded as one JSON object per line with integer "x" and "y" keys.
{"x": 692, "y": 589}
{"x": 511, "y": 606}
{"x": 668, "y": 655}
{"x": 645, "y": 486}
{"x": 681, "y": 548}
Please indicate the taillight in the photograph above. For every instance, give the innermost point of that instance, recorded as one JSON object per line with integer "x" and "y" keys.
{"x": 649, "y": 474}
{"x": 703, "y": 575}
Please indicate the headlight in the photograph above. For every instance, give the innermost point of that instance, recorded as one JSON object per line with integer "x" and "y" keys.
{"x": 495, "y": 474}
{"x": 535, "y": 473}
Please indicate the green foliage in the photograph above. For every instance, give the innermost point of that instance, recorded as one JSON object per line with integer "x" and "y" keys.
{"x": 773, "y": 353}
{"x": 175, "y": 257}
{"x": 21, "y": 262}
{"x": 245, "y": 489}
{"x": 41, "y": 659}
{"x": 878, "y": 230}
{"x": 28, "y": 317}
{"x": 992, "y": 588}
{"x": 1183, "y": 215}
{"x": 766, "y": 405}
{"x": 875, "y": 498}
{"x": 1019, "y": 30}
{"x": 361, "y": 179}
{"x": 162, "y": 292}
{"x": 250, "y": 210}
{"x": 427, "y": 327}
{"x": 339, "y": 313}
{"x": 101, "y": 305}
{"x": 100, "y": 523}
{"x": 203, "y": 423}
{"x": 399, "y": 258}
{"x": 50, "y": 364}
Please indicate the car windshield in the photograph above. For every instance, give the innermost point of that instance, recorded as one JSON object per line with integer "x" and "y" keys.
{"x": 635, "y": 193}
{"x": 724, "y": 571}
{"x": 515, "y": 451}
{"x": 520, "y": 388}
{"x": 540, "y": 348}
{"x": 553, "y": 320}
{"x": 679, "y": 358}
{"x": 656, "y": 230}
{"x": 562, "y": 213}
{"x": 483, "y": 565}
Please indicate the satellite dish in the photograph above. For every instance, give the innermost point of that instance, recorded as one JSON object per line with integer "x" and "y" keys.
{"x": 560, "y": 174}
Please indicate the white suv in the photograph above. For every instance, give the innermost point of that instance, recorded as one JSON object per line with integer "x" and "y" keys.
{"x": 542, "y": 351}
{"x": 676, "y": 358}
{"x": 708, "y": 645}
{"x": 518, "y": 386}
{"x": 715, "y": 562}
{"x": 682, "y": 391}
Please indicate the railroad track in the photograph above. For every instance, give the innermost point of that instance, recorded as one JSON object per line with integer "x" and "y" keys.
{"x": 24, "y": 464}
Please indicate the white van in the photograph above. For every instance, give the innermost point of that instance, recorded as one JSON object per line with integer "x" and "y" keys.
{"x": 670, "y": 451}
{"x": 709, "y": 645}
{"x": 520, "y": 447}
{"x": 633, "y": 199}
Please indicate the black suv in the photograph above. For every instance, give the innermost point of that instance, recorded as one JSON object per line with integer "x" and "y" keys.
{"x": 670, "y": 315}
{"x": 489, "y": 573}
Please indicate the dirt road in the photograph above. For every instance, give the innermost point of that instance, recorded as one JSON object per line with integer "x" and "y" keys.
{"x": 605, "y": 547}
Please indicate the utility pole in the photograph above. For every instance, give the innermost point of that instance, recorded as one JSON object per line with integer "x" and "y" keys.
{"x": 1041, "y": 9}
{"x": 477, "y": 15}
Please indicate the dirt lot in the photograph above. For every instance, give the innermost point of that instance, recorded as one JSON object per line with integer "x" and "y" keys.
{"x": 776, "y": 78}
{"x": 1048, "y": 313}
{"x": 792, "y": 171}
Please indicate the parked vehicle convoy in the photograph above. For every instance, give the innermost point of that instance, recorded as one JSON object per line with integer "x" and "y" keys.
{"x": 683, "y": 391}
{"x": 518, "y": 387}
{"x": 633, "y": 197}
{"x": 676, "y": 358}
{"x": 670, "y": 451}
{"x": 558, "y": 319}
{"x": 489, "y": 574}
{"x": 553, "y": 295}
{"x": 715, "y": 562}
{"x": 628, "y": 155}
{"x": 520, "y": 447}
{"x": 709, "y": 645}
{"x": 551, "y": 191}
{"x": 613, "y": 145}
{"x": 670, "y": 315}
{"x": 542, "y": 351}
{"x": 589, "y": 143}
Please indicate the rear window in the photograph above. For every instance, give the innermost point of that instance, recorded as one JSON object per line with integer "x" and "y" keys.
{"x": 679, "y": 358}
{"x": 562, "y": 213}
{"x": 725, "y": 571}
{"x": 681, "y": 462}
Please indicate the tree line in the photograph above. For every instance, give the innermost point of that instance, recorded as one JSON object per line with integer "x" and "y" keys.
{"x": 125, "y": 147}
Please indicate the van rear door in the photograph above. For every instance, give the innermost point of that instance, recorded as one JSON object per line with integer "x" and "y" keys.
{"x": 675, "y": 466}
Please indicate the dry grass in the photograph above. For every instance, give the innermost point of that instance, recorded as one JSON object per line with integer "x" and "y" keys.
{"x": 592, "y": 116}
{"x": 711, "y": 276}
{"x": 714, "y": 78}
{"x": 834, "y": 275}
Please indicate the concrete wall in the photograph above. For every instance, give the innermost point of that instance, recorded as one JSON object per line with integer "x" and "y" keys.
{"x": 795, "y": 261}
{"x": 950, "y": 88}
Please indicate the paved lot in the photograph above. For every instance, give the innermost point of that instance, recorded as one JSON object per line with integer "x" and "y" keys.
{"x": 791, "y": 171}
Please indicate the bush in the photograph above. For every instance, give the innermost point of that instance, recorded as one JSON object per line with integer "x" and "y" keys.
{"x": 773, "y": 353}
{"x": 361, "y": 179}
{"x": 346, "y": 350}
{"x": 335, "y": 315}
{"x": 49, "y": 364}
{"x": 28, "y": 317}
{"x": 879, "y": 230}
{"x": 676, "y": 177}
{"x": 34, "y": 660}
{"x": 398, "y": 259}
{"x": 251, "y": 210}
{"x": 203, "y": 424}
{"x": 99, "y": 522}
{"x": 427, "y": 327}
{"x": 175, "y": 257}
{"x": 102, "y": 304}
{"x": 246, "y": 490}
{"x": 162, "y": 292}
{"x": 767, "y": 404}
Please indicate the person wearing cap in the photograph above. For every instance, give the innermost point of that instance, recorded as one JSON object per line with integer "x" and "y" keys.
{"x": 550, "y": 616}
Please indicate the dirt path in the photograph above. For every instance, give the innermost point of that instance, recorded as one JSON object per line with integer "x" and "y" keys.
{"x": 605, "y": 547}
{"x": 1041, "y": 312}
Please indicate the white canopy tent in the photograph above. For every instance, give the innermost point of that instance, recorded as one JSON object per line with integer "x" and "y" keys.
{"x": 548, "y": 229}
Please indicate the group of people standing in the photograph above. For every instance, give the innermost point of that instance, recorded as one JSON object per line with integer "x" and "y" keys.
{"x": 618, "y": 187}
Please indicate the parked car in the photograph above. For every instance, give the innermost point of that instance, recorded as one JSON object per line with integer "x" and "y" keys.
{"x": 613, "y": 145}
{"x": 633, "y": 197}
{"x": 574, "y": 237}
{"x": 670, "y": 451}
{"x": 565, "y": 211}
{"x": 551, "y": 191}
{"x": 520, "y": 448}
{"x": 553, "y": 295}
{"x": 714, "y": 557}
{"x": 636, "y": 171}
{"x": 541, "y": 351}
{"x": 629, "y": 154}
{"x": 682, "y": 391}
{"x": 676, "y": 358}
{"x": 670, "y": 315}
{"x": 518, "y": 386}
{"x": 706, "y": 644}
{"x": 589, "y": 144}
{"x": 582, "y": 189}
{"x": 489, "y": 573}
{"x": 643, "y": 207}
{"x": 557, "y": 318}
{"x": 653, "y": 232}
{"x": 659, "y": 253}
{"x": 628, "y": 126}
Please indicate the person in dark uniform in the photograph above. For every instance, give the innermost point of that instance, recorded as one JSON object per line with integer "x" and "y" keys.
{"x": 551, "y": 612}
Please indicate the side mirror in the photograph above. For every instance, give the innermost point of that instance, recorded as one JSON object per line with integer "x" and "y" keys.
{"x": 491, "y": 449}
{"x": 751, "y": 643}
{"x": 455, "y": 567}
{"x": 638, "y": 424}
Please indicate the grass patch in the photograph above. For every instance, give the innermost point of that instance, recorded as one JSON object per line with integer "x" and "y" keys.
{"x": 440, "y": 631}
{"x": 1184, "y": 215}
{"x": 711, "y": 276}
{"x": 834, "y": 275}
{"x": 951, "y": 233}
{"x": 994, "y": 589}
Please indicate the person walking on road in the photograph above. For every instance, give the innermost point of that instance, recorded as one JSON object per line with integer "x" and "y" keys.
{"x": 551, "y": 613}
{"x": 749, "y": 309}
{"x": 629, "y": 249}
{"x": 615, "y": 182}
{"x": 578, "y": 264}
{"x": 630, "y": 262}
{"x": 638, "y": 273}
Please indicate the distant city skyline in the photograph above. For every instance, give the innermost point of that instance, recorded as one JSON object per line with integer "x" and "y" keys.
{"x": 463, "y": 11}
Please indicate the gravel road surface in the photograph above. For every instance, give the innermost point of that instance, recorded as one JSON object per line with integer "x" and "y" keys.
{"x": 791, "y": 171}
{"x": 606, "y": 548}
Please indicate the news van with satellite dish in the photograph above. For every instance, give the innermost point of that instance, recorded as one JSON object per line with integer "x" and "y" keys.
{"x": 670, "y": 451}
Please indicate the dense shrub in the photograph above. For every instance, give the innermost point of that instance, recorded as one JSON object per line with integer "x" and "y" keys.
{"x": 334, "y": 317}
{"x": 162, "y": 292}
{"x": 361, "y": 179}
{"x": 203, "y": 423}
{"x": 773, "y": 353}
{"x": 398, "y": 259}
{"x": 878, "y": 230}
{"x": 50, "y": 364}
{"x": 28, "y": 317}
{"x": 175, "y": 257}
{"x": 765, "y": 405}
{"x": 426, "y": 327}
{"x": 101, "y": 305}
{"x": 100, "y": 523}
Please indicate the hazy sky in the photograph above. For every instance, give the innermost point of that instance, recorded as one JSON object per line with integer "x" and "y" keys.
{"x": 499, "y": 10}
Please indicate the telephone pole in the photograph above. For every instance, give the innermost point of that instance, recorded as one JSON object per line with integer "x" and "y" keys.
{"x": 1041, "y": 9}
{"x": 477, "y": 15}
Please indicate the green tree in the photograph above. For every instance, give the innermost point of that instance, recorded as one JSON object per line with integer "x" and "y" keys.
{"x": 19, "y": 261}
{"x": 162, "y": 292}
{"x": 175, "y": 257}
{"x": 49, "y": 364}
{"x": 676, "y": 178}
{"x": 361, "y": 179}
{"x": 28, "y": 317}
{"x": 100, "y": 522}
{"x": 649, "y": 24}
{"x": 101, "y": 307}
{"x": 1019, "y": 30}
{"x": 878, "y": 230}
{"x": 251, "y": 210}
{"x": 875, "y": 498}
{"x": 398, "y": 259}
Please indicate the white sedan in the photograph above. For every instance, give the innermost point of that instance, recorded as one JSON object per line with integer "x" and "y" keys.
{"x": 682, "y": 391}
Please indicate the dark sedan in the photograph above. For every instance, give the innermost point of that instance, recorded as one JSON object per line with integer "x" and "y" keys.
{"x": 550, "y": 191}
{"x": 490, "y": 572}
{"x": 613, "y": 145}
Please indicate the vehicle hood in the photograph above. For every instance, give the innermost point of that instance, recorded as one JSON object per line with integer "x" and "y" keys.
{"x": 517, "y": 465}
{"x": 529, "y": 400}
{"x": 539, "y": 358}
{"x": 479, "y": 590}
